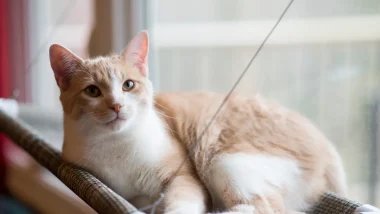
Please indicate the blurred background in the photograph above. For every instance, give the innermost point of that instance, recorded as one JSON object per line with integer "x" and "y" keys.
{"x": 323, "y": 59}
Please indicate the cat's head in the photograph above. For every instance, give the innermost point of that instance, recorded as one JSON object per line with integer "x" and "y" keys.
{"x": 105, "y": 92}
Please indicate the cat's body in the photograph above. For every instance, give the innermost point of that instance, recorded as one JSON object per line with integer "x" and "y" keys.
{"x": 256, "y": 157}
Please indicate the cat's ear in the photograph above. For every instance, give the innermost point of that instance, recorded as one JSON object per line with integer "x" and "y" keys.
{"x": 63, "y": 62}
{"x": 137, "y": 51}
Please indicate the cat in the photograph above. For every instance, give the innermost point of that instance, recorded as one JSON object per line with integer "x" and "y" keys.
{"x": 256, "y": 157}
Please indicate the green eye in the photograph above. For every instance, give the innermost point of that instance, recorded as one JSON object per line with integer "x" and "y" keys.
{"x": 92, "y": 91}
{"x": 128, "y": 85}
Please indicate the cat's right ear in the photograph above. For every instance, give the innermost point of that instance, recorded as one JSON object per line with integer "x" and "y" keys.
{"x": 63, "y": 62}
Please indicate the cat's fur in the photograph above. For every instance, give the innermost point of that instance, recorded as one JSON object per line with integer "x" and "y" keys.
{"x": 256, "y": 157}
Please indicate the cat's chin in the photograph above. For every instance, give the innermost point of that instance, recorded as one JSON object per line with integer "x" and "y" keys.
{"x": 116, "y": 124}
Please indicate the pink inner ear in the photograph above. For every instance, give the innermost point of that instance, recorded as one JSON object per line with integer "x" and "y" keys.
{"x": 62, "y": 62}
{"x": 137, "y": 52}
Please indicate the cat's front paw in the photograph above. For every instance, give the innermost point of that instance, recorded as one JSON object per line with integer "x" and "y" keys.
{"x": 183, "y": 211}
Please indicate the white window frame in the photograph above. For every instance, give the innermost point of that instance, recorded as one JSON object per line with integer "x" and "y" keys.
{"x": 251, "y": 33}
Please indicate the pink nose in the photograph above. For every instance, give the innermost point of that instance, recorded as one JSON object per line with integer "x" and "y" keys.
{"x": 116, "y": 107}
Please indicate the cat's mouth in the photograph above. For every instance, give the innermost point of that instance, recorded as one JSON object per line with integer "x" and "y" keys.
{"x": 116, "y": 120}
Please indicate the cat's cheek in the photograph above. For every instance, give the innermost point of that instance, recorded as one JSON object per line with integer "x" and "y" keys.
{"x": 133, "y": 102}
{"x": 95, "y": 103}
{"x": 145, "y": 100}
{"x": 81, "y": 113}
{"x": 76, "y": 112}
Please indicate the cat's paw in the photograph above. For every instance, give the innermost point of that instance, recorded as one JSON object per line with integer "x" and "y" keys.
{"x": 239, "y": 209}
{"x": 9, "y": 106}
{"x": 232, "y": 212}
{"x": 185, "y": 208}
{"x": 183, "y": 211}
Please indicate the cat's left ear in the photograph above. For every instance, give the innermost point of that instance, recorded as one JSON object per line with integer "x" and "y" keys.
{"x": 137, "y": 51}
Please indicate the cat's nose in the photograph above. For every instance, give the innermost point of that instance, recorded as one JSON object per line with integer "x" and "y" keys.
{"x": 116, "y": 107}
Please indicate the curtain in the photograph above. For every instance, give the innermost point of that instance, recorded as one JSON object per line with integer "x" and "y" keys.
{"x": 5, "y": 80}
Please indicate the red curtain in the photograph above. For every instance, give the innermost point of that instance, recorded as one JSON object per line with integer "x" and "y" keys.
{"x": 14, "y": 56}
{"x": 5, "y": 80}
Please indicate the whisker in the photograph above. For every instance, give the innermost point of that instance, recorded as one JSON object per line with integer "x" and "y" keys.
{"x": 166, "y": 124}
{"x": 160, "y": 105}
{"x": 162, "y": 114}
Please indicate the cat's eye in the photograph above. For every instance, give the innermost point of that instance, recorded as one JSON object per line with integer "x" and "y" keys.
{"x": 92, "y": 91}
{"x": 128, "y": 85}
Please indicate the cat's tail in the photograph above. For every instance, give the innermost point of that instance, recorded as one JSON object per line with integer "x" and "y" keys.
{"x": 335, "y": 175}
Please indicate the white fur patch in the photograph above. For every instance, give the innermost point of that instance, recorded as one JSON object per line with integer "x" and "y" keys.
{"x": 252, "y": 175}
{"x": 117, "y": 88}
{"x": 243, "y": 208}
{"x": 187, "y": 207}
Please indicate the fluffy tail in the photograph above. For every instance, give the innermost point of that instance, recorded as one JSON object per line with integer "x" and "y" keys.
{"x": 335, "y": 175}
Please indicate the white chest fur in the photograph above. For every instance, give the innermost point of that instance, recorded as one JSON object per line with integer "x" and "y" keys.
{"x": 126, "y": 161}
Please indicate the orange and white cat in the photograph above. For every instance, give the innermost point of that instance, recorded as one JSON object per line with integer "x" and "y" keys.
{"x": 256, "y": 157}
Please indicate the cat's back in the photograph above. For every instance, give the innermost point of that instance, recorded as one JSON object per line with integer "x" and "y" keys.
{"x": 255, "y": 119}
{"x": 236, "y": 108}
{"x": 195, "y": 103}
{"x": 185, "y": 101}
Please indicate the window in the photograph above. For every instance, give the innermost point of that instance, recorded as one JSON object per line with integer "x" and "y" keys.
{"x": 320, "y": 61}
{"x": 55, "y": 22}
